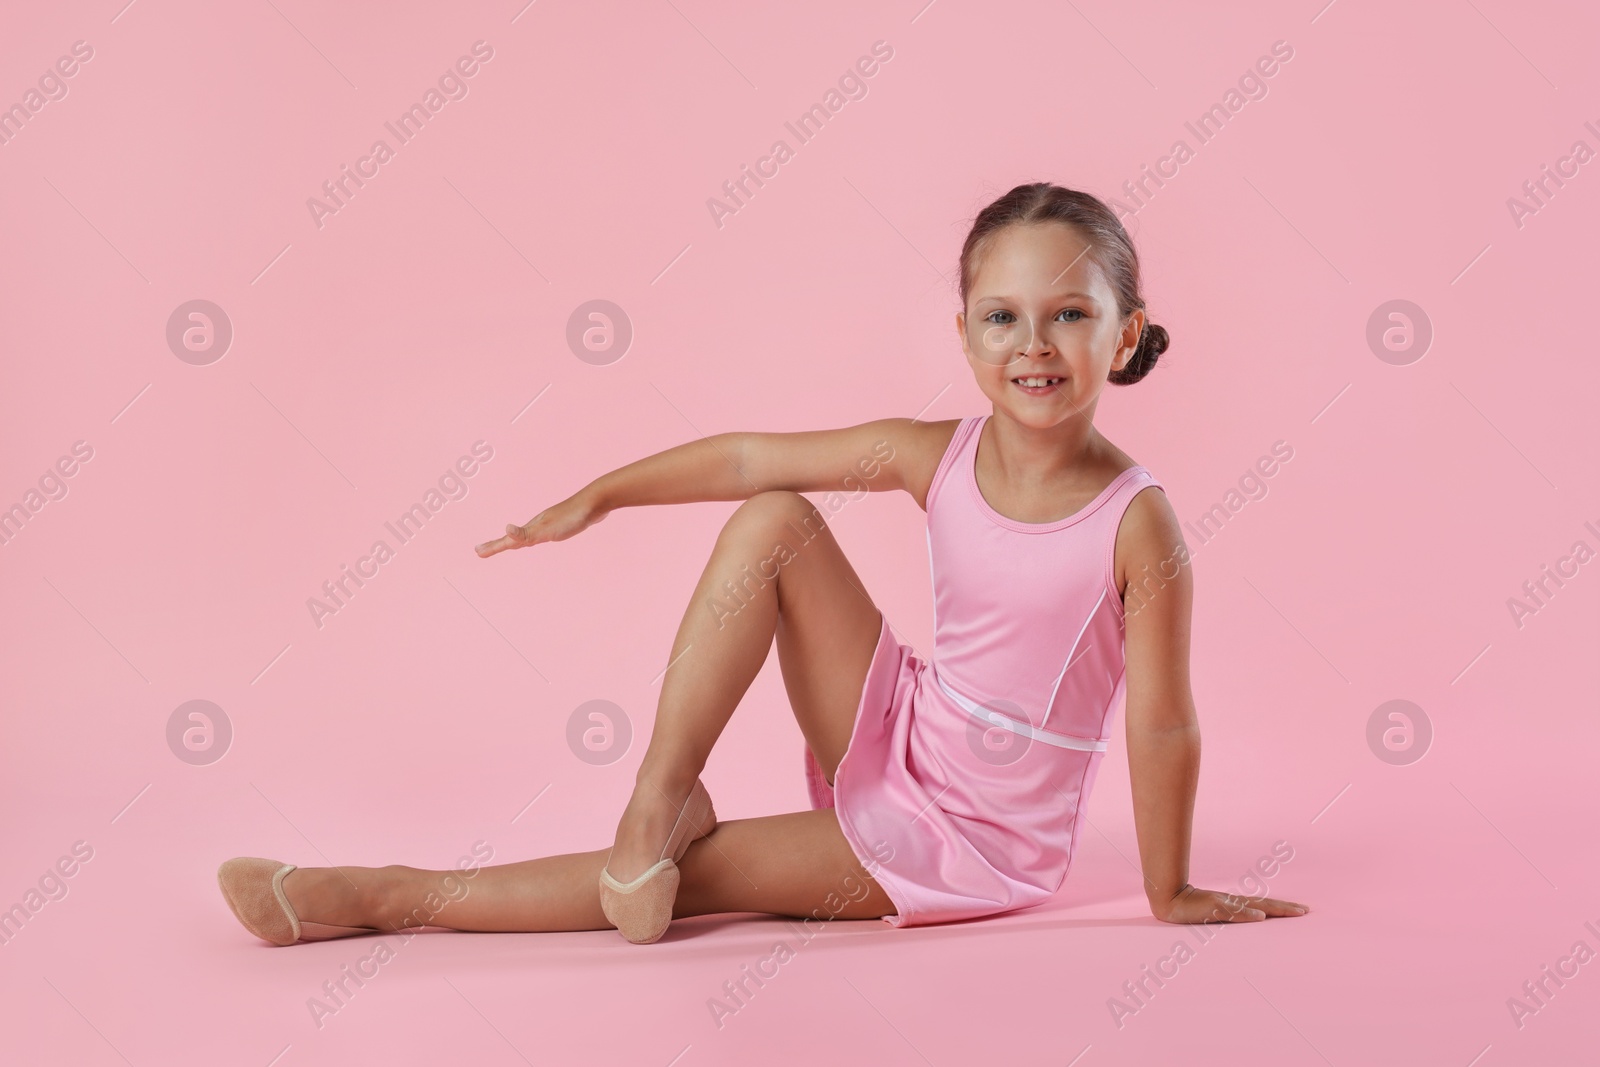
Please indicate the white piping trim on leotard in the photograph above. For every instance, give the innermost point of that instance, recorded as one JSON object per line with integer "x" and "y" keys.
{"x": 1048, "y": 708}
{"x": 1016, "y": 726}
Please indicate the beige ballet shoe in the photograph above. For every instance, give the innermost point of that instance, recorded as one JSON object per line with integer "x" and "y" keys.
{"x": 253, "y": 889}
{"x": 641, "y": 910}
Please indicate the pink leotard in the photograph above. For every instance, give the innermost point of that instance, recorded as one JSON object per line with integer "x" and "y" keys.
{"x": 965, "y": 772}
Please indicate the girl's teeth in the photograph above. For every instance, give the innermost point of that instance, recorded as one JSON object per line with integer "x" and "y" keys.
{"x": 1036, "y": 383}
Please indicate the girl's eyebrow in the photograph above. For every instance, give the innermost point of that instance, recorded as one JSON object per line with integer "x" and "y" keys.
{"x": 1009, "y": 299}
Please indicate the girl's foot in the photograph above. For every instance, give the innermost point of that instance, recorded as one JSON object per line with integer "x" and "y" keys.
{"x": 641, "y": 907}
{"x": 256, "y": 893}
{"x": 646, "y": 823}
{"x": 336, "y": 896}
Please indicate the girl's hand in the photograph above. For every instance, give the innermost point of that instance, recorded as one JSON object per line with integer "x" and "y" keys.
{"x": 556, "y": 523}
{"x": 1192, "y": 905}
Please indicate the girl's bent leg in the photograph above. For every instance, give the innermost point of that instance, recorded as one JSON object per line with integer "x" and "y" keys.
{"x": 797, "y": 864}
{"x": 776, "y": 570}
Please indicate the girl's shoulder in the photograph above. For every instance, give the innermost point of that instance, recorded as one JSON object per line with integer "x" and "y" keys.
{"x": 1149, "y": 534}
{"x": 1113, "y": 462}
{"x": 1144, "y": 509}
{"x": 1112, "y": 458}
{"x": 922, "y": 446}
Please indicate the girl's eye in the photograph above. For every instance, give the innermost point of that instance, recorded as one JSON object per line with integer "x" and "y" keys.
{"x": 1076, "y": 314}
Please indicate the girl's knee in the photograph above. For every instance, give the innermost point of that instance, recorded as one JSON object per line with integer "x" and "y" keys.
{"x": 779, "y": 510}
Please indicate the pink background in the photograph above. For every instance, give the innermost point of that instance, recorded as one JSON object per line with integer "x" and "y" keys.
{"x": 426, "y": 314}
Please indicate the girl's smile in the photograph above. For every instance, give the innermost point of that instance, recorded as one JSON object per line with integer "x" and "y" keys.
{"x": 1037, "y": 385}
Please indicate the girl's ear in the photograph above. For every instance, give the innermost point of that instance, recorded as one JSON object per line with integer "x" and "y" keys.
{"x": 1128, "y": 340}
{"x": 961, "y": 331}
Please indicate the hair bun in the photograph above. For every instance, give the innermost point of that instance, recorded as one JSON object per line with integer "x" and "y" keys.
{"x": 1152, "y": 342}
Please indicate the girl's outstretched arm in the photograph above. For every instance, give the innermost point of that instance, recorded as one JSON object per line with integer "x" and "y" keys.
{"x": 737, "y": 466}
{"x": 1163, "y": 733}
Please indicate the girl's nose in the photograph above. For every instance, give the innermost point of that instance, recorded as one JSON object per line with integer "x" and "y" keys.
{"x": 1034, "y": 343}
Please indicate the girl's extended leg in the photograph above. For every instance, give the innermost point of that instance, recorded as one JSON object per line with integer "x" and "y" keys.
{"x": 792, "y": 582}
{"x": 776, "y": 571}
{"x": 797, "y": 864}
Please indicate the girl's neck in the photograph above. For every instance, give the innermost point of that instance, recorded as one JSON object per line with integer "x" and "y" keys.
{"x": 1017, "y": 449}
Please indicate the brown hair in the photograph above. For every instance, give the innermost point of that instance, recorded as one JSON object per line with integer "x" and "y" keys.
{"x": 1109, "y": 245}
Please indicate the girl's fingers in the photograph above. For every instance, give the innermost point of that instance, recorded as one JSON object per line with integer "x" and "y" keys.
{"x": 1239, "y": 911}
{"x": 1254, "y": 909}
{"x": 1282, "y": 907}
{"x": 1210, "y": 906}
{"x": 514, "y": 538}
{"x": 1251, "y": 908}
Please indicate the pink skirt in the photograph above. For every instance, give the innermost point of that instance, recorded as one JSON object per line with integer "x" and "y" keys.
{"x": 947, "y": 835}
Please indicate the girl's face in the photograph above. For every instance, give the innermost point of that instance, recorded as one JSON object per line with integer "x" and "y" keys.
{"x": 1039, "y": 309}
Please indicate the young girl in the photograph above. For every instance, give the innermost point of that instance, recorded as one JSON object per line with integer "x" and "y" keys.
{"x": 942, "y": 788}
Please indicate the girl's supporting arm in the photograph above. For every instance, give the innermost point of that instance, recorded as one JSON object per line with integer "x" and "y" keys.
{"x": 1163, "y": 732}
